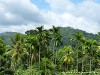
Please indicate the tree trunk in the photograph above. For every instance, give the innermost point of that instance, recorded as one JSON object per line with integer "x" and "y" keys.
{"x": 55, "y": 56}
{"x": 67, "y": 67}
{"x": 45, "y": 67}
{"x": 53, "y": 52}
{"x": 39, "y": 56}
{"x": 90, "y": 64}
{"x": 77, "y": 61}
{"x": 30, "y": 66}
{"x": 82, "y": 65}
{"x": 31, "y": 63}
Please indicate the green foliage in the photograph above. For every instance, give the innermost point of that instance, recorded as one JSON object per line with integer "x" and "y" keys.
{"x": 2, "y": 46}
{"x": 57, "y": 51}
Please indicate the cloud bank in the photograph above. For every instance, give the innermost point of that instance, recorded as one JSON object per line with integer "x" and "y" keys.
{"x": 22, "y": 15}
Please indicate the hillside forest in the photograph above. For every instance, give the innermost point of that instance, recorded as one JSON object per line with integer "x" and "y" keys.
{"x": 56, "y": 51}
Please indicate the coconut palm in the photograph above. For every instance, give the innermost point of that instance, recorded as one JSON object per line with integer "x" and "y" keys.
{"x": 40, "y": 41}
{"x": 39, "y": 31}
{"x": 16, "y": 50}
{"x": 2, "y": 56}
{"x": 31, "y": 43}
{"x": 65, "y": 55}
{"x": 91, "y": 51}
{"x": 2, "y": 46}
{"x": 78, "y": 39}
{"x": 56, "y": 39}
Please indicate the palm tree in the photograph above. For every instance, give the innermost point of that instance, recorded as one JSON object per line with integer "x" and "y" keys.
{"x": 16, "y": 50}
{"x": 2, "y": 56}
{"x": 68, "y": 56}
{"x": 2, "y": 46}
{"x": 46, "y": 42}
{"x": 32, "y": 45}
{"x": 91, "y": 51}
{"x": 47, "y": 66}
{"x": 40, "y": 31}
{"x": 65, "y": 55}
{"x": 56, "y": 39}
{"x": 98, "y": 35}
{"x": 79, "y": 39}
{"x": 40, "y": 41}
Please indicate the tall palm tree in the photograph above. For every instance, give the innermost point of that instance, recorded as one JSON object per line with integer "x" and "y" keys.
{"x": 2, "y": 56}
{"x": 91, "y": 51}
{"x": 16, "y": 50}
{"x": 31, "y": 43}
{"x": 2, "y": 46}
{"x": 80, "y": 40}
{"x": 40, "y": 31}
{"x": 65, "y": 56}
{"x": 68, "y": 56}
{"x": 41, "y": 38}
{"x": 56, "y": 39}
{"x": 46, "y": 38}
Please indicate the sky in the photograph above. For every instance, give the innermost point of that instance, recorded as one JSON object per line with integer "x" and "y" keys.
{"x": 23, "y": 15}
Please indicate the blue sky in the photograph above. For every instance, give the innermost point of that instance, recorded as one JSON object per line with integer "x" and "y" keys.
{"x": 44, "y": 5}
{"x": 41, "y": 4}
{"x": 23, "y": 15}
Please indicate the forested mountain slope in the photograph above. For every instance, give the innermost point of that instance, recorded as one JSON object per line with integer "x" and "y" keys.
{"x": 66, "y": 32}
{"x": 7, "y": 35}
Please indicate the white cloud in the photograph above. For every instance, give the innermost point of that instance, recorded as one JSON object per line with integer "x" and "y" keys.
{"x": 22, "y": 15}
{"x": 17, "y": 28}
{"x": 20, "y": 12}
{"x": 84, "y": 15}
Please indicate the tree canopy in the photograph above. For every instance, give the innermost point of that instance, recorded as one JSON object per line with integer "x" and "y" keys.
{"x": 50, "y": 52}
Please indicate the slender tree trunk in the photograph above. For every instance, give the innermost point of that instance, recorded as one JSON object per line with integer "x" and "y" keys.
{"x": 53, "y": 52}
{"x": 30, "y": 61}
{"x": 39, "y": 56}
{"x": 82, "y": 65}
{"x": 47, "y": 49}
{"x": 77, "y": 61}
{"x": 55, "y": 56}
{"x": 90, "y": 64}
{"x": 67, "y": 67}
{"x": 45, "y": 67}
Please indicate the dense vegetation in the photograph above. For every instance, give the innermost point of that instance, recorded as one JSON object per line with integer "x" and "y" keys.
{"x": 50, "y": 52}
{"x": 66, "y": 33}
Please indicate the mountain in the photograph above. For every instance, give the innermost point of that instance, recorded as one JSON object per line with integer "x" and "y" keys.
{"x": 66, "y": 33}
{"x": 7, "y": 35}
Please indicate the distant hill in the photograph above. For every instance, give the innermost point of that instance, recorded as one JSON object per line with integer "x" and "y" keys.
{"x": 66, "y": 33}
{"x": 7, "y": 35}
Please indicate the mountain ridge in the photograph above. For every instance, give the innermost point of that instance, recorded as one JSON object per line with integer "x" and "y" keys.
{"x": 66, "y": 33}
